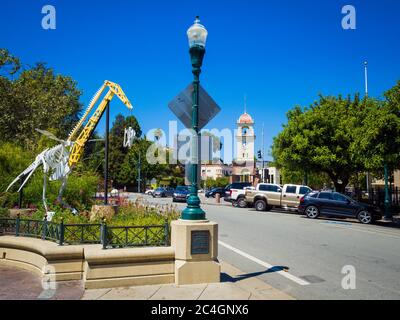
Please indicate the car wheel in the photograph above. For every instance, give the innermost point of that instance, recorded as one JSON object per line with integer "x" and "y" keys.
{"x": 312, "y": 212}
{"x": 260, "y": 205}
{"x": 365, "y": 217}
{"x": 241, "y": 203}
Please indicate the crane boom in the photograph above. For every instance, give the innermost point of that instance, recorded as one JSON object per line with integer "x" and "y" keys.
{"x": 83, "y": 137}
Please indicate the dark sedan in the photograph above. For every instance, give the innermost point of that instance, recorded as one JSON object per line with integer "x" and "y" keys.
{"x": 336, "y": 204}
{"x": 213, "y": 192}
{"x": 180, "y": 194}
{"x": 163, "y": 192}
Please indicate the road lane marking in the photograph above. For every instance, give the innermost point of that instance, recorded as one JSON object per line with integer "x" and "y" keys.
{"x": 264, "y": 264}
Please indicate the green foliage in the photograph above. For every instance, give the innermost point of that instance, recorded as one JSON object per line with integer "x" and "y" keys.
{"x": 9, "y": 63}
{"x": 138, "y": 213}
{"x": 80, "y": 190}
{"x": 220, "y": 182}
{"x": 117, "y": 152}
{"x": 13, "y": 160}
{"x": 341, "y": 138}
{"x": 128, "y": 173}
{"x": 141, "y": 213}
{"x": 321, "y": 139}
{"x": 37, "y": 98}
{"x": 4, "y": 212}
{"x": 378, "y": 140}
{"x": 316, "y": 180}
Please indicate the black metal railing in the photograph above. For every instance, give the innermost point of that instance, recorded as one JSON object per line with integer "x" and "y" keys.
{"x": 72, "y": 234}
{"x": 376, "y": 197}
{"x": 81, "y": 233}
{"x": 8, "y": 226}
{"x": 135, "y": 236}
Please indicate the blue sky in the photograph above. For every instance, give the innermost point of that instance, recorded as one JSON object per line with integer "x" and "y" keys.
{"x": 278, "y": 53}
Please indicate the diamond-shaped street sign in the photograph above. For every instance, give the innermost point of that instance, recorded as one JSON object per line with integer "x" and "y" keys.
{"x": 181, "y": 106}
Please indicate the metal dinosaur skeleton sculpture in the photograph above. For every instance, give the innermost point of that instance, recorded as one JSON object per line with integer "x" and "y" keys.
{"x": 59, "y": 160}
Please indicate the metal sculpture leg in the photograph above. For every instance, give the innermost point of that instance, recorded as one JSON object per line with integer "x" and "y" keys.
{"x": 44, "y": 192}
{"x": 62, "y": 188}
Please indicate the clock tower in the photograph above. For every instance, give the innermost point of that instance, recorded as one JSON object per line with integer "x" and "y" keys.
{"x": 245, "y": 138}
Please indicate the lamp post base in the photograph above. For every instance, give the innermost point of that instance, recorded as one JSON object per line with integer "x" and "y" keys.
{"x": 193, "y": 210}
{"x": 193, "y": 214}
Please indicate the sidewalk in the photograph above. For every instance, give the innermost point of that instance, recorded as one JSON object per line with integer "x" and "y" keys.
{"x": 234, "y": 286}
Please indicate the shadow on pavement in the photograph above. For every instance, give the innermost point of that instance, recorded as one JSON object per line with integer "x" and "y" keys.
{"x": 227, "y": 278}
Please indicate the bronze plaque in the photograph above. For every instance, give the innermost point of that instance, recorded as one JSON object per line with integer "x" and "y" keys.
{"x": 200, "y": 242}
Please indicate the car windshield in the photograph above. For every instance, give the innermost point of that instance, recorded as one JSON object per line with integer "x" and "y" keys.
{"x": 182, "y": 189}
{"x": 160, "y": 189}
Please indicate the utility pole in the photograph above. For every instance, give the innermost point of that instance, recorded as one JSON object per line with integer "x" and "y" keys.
{"x": 366, "y": 96}
{"x": 106, "y": 154}
{"x": 139, "y": 180}
{"x": 262, "y": 153}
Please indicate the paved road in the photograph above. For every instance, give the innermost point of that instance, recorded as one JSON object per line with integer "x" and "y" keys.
{"x": 305, "y": 258}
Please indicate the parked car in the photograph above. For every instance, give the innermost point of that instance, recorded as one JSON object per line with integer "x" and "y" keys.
{"x": 336, "y": 204}
{"x": 267, "y": 195}
{"x": 163, "y": 192}
{"x": 149, "y": 192}
{"x": 181, "y": 193}
{"x": 235, "y": 190}
{"x": 213, "y": 192}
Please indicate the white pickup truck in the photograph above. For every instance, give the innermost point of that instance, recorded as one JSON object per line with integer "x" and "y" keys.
{"x": 236, "y": 191}
{"x": 266, "y": 196}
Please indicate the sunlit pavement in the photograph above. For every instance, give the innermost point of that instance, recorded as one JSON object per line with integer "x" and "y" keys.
{"x": 19, "y": 284}
{"x": 305, "y": 258}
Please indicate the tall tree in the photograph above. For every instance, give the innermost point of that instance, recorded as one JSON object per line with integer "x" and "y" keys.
{"x": 37, "y": 98}
{"x": 117, "y": 151}
{"x": 321, "y": 139}
{"x": 128, "y": 173}
{"x": 378, "y": 140}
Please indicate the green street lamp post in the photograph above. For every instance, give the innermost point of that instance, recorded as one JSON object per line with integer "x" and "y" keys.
{"x": 197, "y": 36}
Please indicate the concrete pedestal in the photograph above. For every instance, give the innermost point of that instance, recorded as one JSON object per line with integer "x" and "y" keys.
{"x": 196, "y": 252}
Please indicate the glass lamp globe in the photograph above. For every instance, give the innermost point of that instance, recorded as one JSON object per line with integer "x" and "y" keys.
{"x": 197, "y": 34}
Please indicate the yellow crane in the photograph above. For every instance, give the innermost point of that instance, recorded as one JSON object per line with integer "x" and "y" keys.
{"x": 84, "y": 135}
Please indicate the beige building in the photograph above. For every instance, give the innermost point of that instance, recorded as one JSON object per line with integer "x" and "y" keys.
{"x": 396, "y": 178}
{"x": 215, "y": 170}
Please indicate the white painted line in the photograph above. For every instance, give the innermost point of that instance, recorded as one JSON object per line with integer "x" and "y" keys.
{"x": 265, "y": 264}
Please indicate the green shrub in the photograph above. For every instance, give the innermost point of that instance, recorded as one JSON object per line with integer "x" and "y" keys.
{"x": 4, "y": 213}
{"x": 13, "y": 160}
{"x": 80, "y": 190}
